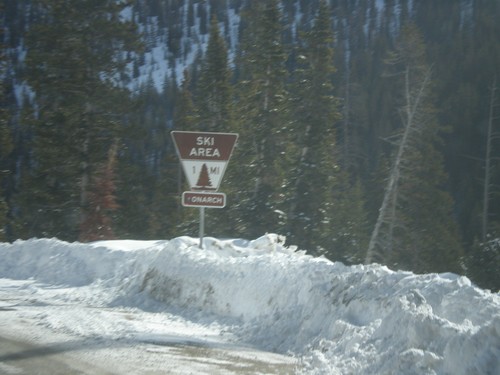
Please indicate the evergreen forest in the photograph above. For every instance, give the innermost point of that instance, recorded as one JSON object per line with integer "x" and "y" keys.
{"x": 369, "y": 130}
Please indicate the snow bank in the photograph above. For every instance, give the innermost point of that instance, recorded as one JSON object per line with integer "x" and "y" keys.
{"x": 56, "y": 262}
{"x": 340, "y": 320}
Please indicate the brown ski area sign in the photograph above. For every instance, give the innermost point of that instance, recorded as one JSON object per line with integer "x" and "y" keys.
{"x": 204, "y": 157}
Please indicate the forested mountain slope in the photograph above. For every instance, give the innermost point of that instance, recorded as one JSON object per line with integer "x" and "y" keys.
{"x": 363, "y": 124}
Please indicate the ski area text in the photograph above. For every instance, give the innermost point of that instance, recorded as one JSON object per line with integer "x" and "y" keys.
{"x": 204, "y": 145}
{"x": 208, "y": 152}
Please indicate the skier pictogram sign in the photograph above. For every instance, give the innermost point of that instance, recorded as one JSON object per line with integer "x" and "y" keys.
{"x": 204, "y": 157}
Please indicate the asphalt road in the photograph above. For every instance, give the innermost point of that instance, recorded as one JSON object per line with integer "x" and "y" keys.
{"x": 18, "y": 357}
{"x": 21, "y": 358}
{"x": 29, "y": 347}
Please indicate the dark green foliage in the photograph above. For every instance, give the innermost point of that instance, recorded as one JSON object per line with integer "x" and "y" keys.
{"x": 6, "y": 147}
{"x": 430, "y": 241}
{"x": 345, "y": 236}
{"x": 263, "y": 120}
{"x": 414, "y": 229}
{"x": 8, "y": 111}
{"x": 316, "y": 170}
{"x": 72, "y": 65}
{"x": 186, "y": 115}
{"x": 147, "y": 188}
{"x": 214, "y": 92}
{"x": 101, "y": 201}
{"x": 483, "y": 262}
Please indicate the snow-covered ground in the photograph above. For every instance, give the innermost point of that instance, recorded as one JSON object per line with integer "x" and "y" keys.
{"x": 239, "y": 307}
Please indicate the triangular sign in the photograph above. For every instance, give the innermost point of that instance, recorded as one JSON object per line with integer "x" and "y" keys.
{"x": 204, "y": 157}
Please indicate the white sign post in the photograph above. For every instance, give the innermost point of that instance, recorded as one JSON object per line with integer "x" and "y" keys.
{"x": 204, "y": 157}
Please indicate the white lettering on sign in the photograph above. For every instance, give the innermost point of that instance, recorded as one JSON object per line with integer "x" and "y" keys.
{"x": 205, "y": 141}
{"x": 207, "y": 200}
{"x": 203, "y": 199}
{"x": 205, "y": 151}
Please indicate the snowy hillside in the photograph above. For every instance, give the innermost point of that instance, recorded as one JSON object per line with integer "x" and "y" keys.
{"x": 160, "y": 60}
{"x": 331, "y": 318}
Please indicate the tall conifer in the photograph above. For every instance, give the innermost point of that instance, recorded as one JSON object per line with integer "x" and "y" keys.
{"x": 325, "y": 213}
{"x": 74, "y": 62}
{"x": 6, "y": 145}
{"x": 263, "y": 120}
{"x": 415, "y": 228}
{"x": 214, "y": 94}
{"x": 186, "y": 115}
{"x": 315, "y": 115}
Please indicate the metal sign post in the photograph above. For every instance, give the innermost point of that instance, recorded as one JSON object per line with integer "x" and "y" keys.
{"x": 202, "y": 226}
{"x": 204, "y": 157}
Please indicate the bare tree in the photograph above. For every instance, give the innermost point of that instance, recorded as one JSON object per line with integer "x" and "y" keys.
{"x": 416, "y": 82}
{"x": 387, "y": 211}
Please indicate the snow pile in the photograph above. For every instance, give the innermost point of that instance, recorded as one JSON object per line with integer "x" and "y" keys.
{"x": 337, "y": 319}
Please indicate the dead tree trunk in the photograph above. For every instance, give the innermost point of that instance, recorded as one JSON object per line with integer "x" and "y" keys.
{"x": 387, "y": 210}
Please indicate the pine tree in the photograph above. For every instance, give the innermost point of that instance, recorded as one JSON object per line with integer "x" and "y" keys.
{"x": 214, "y": 93}
{"x": 488, "y": 165}
{"x": 263, "y": 119}
{"x": 73, "y": 64}
{"x": 203, "y": 16}
{"x": 484, "y": 264}
{"x": 185, "y": 113}
{"x": 483, "y": 259}
{"x": 148, "y": 192}
{"x": 213, "y": 111}
{"x": 325, "y": 213}
{"x": 316, "y": 112}
{"x": 415, "y": 229}
{"x": 204, "y": 182}
{"x": 98, "y": 224}
{"x": 6, "y": 145}
{"x": 462, "y": 41}
{"x": 185, "y": 118}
